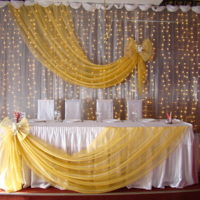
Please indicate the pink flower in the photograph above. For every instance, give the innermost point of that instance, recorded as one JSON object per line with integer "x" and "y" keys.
{"x": 17, "y": 116}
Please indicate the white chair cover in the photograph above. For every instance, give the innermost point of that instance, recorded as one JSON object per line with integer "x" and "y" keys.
{"x": 134, "y": 109}
{"x": 105, "y": 108}
{"x": 73, "y": 109}
{"x": 45, "y": 109}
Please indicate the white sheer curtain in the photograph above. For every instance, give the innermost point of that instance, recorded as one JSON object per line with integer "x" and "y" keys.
{"x": 173, "y": 74}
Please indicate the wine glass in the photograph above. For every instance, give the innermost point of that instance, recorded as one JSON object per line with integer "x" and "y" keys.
{"x": 99, "y": 116}
{"x": 57, "y": 115}
{"x": 134, "y": 116}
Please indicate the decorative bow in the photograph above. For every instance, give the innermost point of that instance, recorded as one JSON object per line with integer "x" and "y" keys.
{"x": 141, "y": 53}
{"x": 21, "y": 129}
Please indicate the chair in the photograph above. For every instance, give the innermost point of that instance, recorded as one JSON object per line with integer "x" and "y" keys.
{"x": 45, "y": 109}
{"x": 104, "y": 109}
{"x": 73, "y": 109}
{"x": 134, "y": 109}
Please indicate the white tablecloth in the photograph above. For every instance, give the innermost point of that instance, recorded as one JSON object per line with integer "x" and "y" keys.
{"x": 179, "y": 170}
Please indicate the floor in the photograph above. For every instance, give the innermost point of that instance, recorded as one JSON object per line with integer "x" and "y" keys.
{"x": 190, "y": 193}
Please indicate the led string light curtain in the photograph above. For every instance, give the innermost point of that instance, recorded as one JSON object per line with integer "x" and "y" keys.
{"x": 173, "y": 75}
{"x": 50, "y": 34}
{"x": 116, "y": 157}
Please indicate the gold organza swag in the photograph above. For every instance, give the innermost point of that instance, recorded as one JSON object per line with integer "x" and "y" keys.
{"x": 116, "y": 157}
{"x": 49, "y": 33}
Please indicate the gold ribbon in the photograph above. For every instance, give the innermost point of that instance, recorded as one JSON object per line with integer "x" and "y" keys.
{"x": 12, "y": 135}
{"x": 143, "y": 53}
{"x": 55, "y": 45}
{"x": 23, "y": 129}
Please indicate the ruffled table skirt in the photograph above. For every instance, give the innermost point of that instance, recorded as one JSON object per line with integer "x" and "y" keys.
{"x": 177, "y": 171}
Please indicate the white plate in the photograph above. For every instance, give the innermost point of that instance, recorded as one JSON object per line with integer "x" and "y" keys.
{"x": 72, "y": 120}
{"x": 174, "y": 121}
{"x": 147, "y": 120}
{"x": 36, "y": 120}
{"x": 111, "y": 120}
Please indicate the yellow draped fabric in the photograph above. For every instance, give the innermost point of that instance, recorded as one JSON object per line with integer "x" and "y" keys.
{"x": 49, "y": 33}
{"x": 116, "y": 157}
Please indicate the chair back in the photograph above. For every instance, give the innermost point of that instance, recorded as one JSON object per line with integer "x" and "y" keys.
{"x": 104, "y": 108}
{"x": 45, "y": 109}
{"x": 134, "y": 109}
{"x": 73, "y": 109}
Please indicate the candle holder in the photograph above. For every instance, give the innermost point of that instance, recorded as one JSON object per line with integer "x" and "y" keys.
{"x": 169, "y": 121}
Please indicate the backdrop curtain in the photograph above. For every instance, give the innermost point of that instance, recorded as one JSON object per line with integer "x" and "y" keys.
{"x": 173, "y": 75}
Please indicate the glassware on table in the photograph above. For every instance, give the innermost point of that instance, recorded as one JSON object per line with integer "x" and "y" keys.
{"x": 23, "y": 115}
{"x": 99, "y": 116}
{"x": 169, "y": 117}
{"x": 57, "y": 115}
{"x": 169, "y": 121}
{"x": 134, "y": 116}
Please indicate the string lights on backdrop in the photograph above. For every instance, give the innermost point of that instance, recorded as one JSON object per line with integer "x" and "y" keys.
{"x": 173, "y": 76}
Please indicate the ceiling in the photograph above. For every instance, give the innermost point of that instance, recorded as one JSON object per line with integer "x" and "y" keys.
{"x": 151, "y": 2}
{"x": 180, "y": 2}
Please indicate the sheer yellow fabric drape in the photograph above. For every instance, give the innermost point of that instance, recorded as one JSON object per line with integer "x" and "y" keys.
{"x": 49, "y": 33}
{"x": 116, "y": 158}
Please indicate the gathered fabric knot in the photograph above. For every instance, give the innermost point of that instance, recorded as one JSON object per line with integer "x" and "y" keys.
{"x": 145, "y": 50}
{"x": 21, "y": 129}
{"x": 141, "y": 54}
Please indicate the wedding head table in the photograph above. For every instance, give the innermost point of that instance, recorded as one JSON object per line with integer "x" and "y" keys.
{"x": 174, "y": 167}
{"x": 177, "y": 170}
